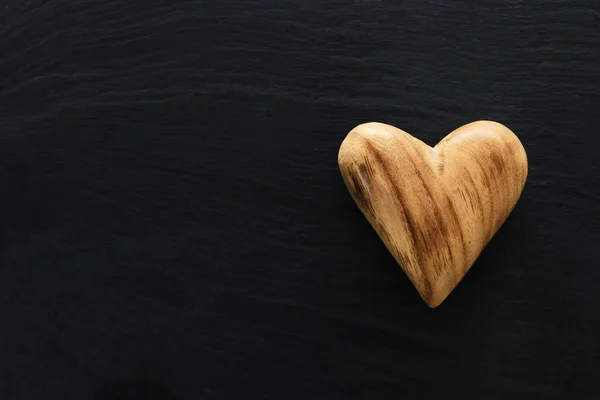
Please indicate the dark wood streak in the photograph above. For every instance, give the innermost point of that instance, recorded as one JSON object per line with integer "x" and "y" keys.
{"x": 367, "y": 168}
{"x": 451, "y": 270}
{"x": 366, "y": 171}
{"x": 482, "y": 168}
{"x": 498, "y": 162}
{"x": 509, "y": 170}
{"x": 412, "y": 228}
{"x": 491, "y": 196}
{"x": 362, "y": 198}
{"x": 456, "y": 222}
{"x": 358, "y": 192}
{"x": 437, "y": 225}
{"x": 468, "y": 200}
{"x": 477, "y": 197}
{"x": 427, "y": 288}
{"x": 522, "y": 173}
{"x": 511, "y": 149}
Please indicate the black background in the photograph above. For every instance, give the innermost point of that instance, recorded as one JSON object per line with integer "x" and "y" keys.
{"x": 174, "y": 226}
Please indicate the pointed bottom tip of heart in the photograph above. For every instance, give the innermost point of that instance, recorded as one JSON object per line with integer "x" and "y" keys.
{"x": 435, "y": 299}
{"x": 433, "y": 304}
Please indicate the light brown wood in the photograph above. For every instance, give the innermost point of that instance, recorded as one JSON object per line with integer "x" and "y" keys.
{"x": 436, "y": 208}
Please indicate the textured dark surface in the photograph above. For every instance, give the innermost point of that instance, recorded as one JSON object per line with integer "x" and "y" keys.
{"x": 174, "y": 225}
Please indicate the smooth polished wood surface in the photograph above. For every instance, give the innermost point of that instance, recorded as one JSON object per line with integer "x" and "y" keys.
{"x": 434, "y": 208}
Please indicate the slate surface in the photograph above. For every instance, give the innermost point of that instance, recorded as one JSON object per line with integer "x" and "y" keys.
{"x": 174, "y": 225}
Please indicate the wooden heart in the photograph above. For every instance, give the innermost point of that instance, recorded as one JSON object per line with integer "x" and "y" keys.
{"x": 434, "y": 208}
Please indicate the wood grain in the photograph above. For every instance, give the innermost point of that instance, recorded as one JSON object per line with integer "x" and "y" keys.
{"x": 434, "y": 208}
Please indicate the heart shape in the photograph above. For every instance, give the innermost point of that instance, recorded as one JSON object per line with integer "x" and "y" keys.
{"x": 436, "y": 208}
